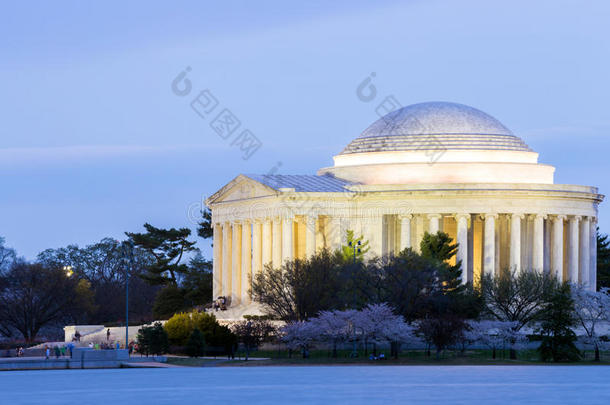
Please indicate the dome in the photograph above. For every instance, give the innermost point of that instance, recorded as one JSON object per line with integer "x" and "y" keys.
{"x": 433, "y": 126}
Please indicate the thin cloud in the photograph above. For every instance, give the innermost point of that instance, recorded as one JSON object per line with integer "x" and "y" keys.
{"x": 76, "y": 153}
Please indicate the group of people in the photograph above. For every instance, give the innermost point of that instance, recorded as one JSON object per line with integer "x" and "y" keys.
{"x": 220, "y": 304}
{"x": 57, "y": 351}
{"x": 380, "y": 357}
{"x": 104, "y": 346}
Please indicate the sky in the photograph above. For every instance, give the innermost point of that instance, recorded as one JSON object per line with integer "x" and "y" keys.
{"x": 95, "y": 140}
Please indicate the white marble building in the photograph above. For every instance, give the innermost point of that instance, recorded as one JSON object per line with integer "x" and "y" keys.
{"x": 425, "y": 167}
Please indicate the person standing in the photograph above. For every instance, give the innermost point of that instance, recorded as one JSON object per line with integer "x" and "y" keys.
{"x": 47, "y": 352}
{"x": 108, "y": 334}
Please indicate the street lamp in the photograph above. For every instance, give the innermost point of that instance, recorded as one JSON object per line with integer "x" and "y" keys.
{"x": 356, "y": 248}
{"x": 128, "y": 249}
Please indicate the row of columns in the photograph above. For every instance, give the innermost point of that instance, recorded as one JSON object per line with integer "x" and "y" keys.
{"x": 242, "y": 248}
{"x": 581, "y": 244}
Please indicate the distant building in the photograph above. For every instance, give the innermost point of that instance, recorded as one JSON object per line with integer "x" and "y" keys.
{"x": 425, "y": 167}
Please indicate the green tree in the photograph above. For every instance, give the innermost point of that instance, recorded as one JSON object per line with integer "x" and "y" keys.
{"x": 439, "y": 247}
{"x": 153, "y": 340}
{"x": 347, "y": 251}
{"x": 205, "y": 229}
{"x": 197, "y": 282}
{"x": 603, "y": 261}
{"x": 556, "y": 327}
{"x": 195, "y": 347}
{"x": 167, "y": 247}
{"x": 169, "y": 300}
{"x": 449, "y": 302}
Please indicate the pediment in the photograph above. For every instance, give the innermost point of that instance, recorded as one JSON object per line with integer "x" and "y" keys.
{"x": 241, "y": 188}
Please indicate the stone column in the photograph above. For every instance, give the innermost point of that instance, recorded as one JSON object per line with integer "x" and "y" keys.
{"x": 236, "y": 264}
{"x": 557, "y": 249}
{"x": 374, "y": 225}
{"x": 419, "y": 232}
{"x": 573, "y": 245}
{"x": 226, "y": 259}
{"x": 405, "y": 231}
{"x": 462, "y": 240}
{"x": 498, "y": 241}
{"x": 489, "y": 245}
{"x": 547, "y": 245}
{"x": 515, "y": 242}
{"x": 276, "y": 249}
{"x": 333, "y": 233}
{"x": 310, "y": 236}
{"x": 287, "y": 242}
{"x": 434, "y": 220}
{"x": 246, "y": 261}
{"x": 267, "y": 242}
{"x": 538, "y": 243}
{"x": 257, "y": 247}
{"x": 584, "y": 252}
{"x": 593, "y": 254}
{"x": 217, "y": 262}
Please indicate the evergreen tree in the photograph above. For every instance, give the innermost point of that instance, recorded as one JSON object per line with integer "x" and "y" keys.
{"x": 556, "y": 328}
{"x": 205, "y": 229}
{"x": 167, "y": 247}
{"x": 450, "y": 302}
{"x": 153, "y": 339}
{"x": 347, "y": 251}
{"x": 439, "y": 247}
{"x": 195, "y": 346}
{"x": 603, "y": 261}
{"x": 197, "y": 282}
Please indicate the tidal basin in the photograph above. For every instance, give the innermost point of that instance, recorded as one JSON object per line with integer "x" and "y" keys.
{"x": 312, "y": 384}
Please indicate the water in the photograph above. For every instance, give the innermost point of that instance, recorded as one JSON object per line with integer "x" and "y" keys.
{"x": 315, "y": 384}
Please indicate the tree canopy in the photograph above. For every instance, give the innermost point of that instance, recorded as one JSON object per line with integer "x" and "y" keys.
{"x": 167, "y": 247}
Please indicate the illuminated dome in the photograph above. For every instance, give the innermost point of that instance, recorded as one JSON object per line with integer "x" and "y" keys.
{"x": 434, "y": 125}
{"x": 438, "y": 142}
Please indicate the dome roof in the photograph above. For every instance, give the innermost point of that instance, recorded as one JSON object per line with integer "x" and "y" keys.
{"x": 434, "y": 126}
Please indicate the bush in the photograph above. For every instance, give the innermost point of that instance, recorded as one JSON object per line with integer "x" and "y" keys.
{"x": 195, "y": 347}
{"x": 180, "y": 327}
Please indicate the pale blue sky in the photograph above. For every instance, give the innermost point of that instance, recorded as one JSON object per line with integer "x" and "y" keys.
{"x": 93, "y": 142}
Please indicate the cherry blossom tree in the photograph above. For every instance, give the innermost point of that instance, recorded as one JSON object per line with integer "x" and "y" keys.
{"x": 300, "y": 335}
{"x": 335, "y": 327}
{"x": 375, "y": 323}
{"x": 591, "y": 308}
{"x": 494, "y": 334}
{"x": 379, "y": 324}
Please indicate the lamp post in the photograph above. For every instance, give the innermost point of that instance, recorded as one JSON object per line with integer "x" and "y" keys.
{"x": 128, "y": 249}
{"x": 355, "y": 247}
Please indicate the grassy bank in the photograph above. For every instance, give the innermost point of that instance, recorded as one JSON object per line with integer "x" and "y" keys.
{"x": 417, "y": 357}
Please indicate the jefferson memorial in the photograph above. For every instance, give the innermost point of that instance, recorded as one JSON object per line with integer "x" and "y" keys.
{"x": 433, "y": 166}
